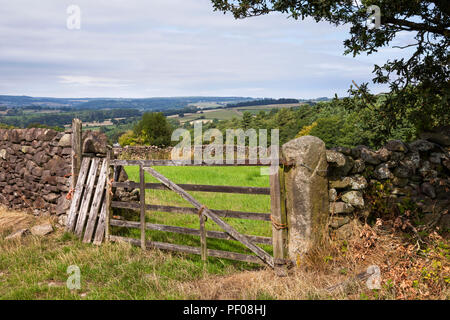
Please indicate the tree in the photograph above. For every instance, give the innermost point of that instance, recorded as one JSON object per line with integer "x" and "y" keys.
{"x": 246, "y": 120}
{"x": 153, "y": 129}
{"x": 419, "y": 85}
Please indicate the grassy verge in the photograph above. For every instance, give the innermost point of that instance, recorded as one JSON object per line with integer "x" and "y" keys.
{"x": 36, "y": 268}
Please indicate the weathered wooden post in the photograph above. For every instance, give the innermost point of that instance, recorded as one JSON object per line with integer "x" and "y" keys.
{"x": 278, "y": 216}
{"x": 306, "y": 187}
{"x": 204, "y": 248}
{"x": 142, "y": 203}
{"x": 108, "y": 195}
{"x": 76, "y": 151}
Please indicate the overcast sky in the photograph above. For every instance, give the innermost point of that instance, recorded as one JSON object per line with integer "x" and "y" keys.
{"x": 155, "y": 48}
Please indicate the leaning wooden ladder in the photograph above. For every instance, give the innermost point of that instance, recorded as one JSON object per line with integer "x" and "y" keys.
{"x": 88, "y": 212}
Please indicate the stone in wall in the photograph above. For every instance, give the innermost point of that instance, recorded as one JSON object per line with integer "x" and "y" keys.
{"x": 35, "y": 165}
{"x": 418, "y": 171}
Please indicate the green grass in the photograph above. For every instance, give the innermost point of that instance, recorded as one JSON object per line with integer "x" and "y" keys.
{"x": 36, "y": 268}
{"x": 232, "y": 176}
{"x": 230, "y": 113}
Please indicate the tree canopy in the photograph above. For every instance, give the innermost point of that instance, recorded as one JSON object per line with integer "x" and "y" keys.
{"x": 419, "y": 85}
{"x": 153, "y": 129}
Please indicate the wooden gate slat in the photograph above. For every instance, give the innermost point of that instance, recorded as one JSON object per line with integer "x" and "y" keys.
{"x": 189, "y": 249}
{"x": 87, "y": 196}
{"x": 264, "y": 256}
{"x": 77, "y": 194}
{"x": 100, "y": 233}
{"x": 188, "y": 231}
{"x": 96, "y": 203}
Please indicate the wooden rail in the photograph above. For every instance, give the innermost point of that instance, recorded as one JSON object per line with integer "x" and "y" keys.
{"x": 188, "y": 210}
{"x": 189, "y": 249}
{"x": 188, "y": 231}
{"x": 197, "y": 187}
{"x": 151, "y": 163}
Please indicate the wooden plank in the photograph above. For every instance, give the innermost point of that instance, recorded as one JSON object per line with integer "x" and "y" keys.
{"x": 186, "y": 210}
{"x": 148, "y": 163}
{"x": 76, "y": 154}
{"x": 189, "y": 249}
{"x": 188, "y": 231}
{"x": 197, "y": 187}
{"x": 203, "y": 244}
{"x": 87, "y": 197}
{"x": 101, "y": 225}
{"x": 278, "y": 209}
{"x": 117, "y": 170}
{"x": 264, "y": 256}
{"x": 108, "y": 198}
{"x": 142, "y": 204}
{"x": 96, "y": 202}
{"x": 77, "y": 194}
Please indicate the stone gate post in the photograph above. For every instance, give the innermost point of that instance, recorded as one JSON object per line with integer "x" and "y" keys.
{"x": 306, "y": 187}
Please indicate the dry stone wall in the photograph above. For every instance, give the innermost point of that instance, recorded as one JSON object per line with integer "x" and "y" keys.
{"x": 409, "y": 175}
{"x": 35, "y": 167}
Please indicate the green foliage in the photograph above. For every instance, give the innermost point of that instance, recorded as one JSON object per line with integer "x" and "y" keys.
{"x": 153, "y": 129}
{"x": 38, "y": 125}
{"x": 5, "y": 126}
{"x": 306, "y": 130}
{"x": 22, "y": 119}
{"x": 419, "y": 90}
{"x": 338, "y": 122}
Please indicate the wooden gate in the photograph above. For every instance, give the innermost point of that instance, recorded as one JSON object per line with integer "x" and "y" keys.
{"x": 87, "y": 213}
{"x": 277, "y": 215}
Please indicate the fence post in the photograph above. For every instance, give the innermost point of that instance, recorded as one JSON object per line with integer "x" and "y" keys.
{"x": 76, "y": 150}
{"x": 142, "y": 203}
{"x": 203, "y": 236}
{"x": 108, "y": 195}
{"x": 306, "y": 187}
{"x": 278, "y": 216}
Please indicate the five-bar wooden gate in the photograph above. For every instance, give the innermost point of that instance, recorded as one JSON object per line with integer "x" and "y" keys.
{"x": 277, "y": 216}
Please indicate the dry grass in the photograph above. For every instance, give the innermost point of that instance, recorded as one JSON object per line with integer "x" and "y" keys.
{"x": 406, "y": 273}
{"x": 12, "y": 220}
{"x": 35, "y": 268}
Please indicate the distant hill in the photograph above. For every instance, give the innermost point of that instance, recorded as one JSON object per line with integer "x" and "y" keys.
{"x": 150, "y": 104}
{"x": 159, "y": 104}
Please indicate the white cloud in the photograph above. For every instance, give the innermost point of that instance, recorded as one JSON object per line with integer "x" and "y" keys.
{"x": 135, "y": 48}
{"x": 93, "y": 81}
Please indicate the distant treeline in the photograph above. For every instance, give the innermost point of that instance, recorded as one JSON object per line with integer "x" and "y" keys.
{"x": 22, "y": 119}
{"x": 262, "y": 102}
{"x": 158, "y": 103}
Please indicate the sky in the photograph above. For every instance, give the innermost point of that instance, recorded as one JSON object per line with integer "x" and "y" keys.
{"x": 162, "y": 48}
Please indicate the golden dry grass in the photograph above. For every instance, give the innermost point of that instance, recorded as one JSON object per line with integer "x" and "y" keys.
{"x": 118, "y": 271}
{"x": 11, "y": 220}
{"x": 406, "y": 273}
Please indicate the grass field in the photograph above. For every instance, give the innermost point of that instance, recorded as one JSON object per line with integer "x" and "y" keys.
{"x": 230, "y": 113}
